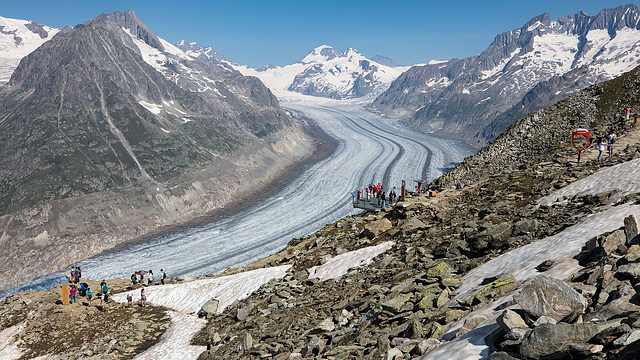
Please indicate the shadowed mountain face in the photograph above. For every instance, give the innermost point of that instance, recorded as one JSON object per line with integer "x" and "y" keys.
{"x": 108, "y": 132}
{"x": 478, "y": 97}
{"x": 85, "y": 112}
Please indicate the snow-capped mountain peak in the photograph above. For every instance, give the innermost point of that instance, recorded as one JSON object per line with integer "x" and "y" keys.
{"x": 197, "y": 51}
{"x": 18, "y": 38}
{"x": 320, "y": 54}
{"x": 561, "y": 56}
{"x": 325, "y": 72}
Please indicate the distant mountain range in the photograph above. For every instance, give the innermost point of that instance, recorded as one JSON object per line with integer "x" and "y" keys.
{"x": 525, "y": 69}
{"x": 323, "y": 72}
{"x": 109, "y": 131}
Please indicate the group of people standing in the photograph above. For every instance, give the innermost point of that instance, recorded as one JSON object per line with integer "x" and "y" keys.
{"x": 378, "y": 195}
{"x": 606, "y": 143}
{"x": 84, "y": 289}
{"x": 75, "y": 275}
{"x": 135, "y": 281}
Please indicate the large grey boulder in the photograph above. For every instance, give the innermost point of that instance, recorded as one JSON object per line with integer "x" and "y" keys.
{"x": 244, "y": 312}
{"x": 554, "y": 341}
{"x": 628, "y": 338}
{"x": 614, "y": 309}
{"x": 314, "y": 346}
{"x": 631, "y": 229}
{"x": 412, "y": 224}
{"x": 247, "y": 342}
{"x": 377, "y": 227}
{"x": 551, "y": 297}
{"x": 613, "y": 241}
{"x": 510, "y": 320}
{"x": 493, "y": 237}
{"x": 525, "y": 226}
{"x": 632, "y": 269}
{"x": 209, "y": 308}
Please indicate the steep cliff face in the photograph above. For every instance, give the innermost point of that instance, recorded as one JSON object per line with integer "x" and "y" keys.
{"x": 106, "y": 127}
{"x": 523, "y": 70}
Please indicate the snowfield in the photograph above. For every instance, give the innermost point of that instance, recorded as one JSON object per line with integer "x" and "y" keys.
{"x": 17, "y": 41}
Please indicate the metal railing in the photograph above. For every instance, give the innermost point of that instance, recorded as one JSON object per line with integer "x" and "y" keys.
{"x": 364, "y": 203}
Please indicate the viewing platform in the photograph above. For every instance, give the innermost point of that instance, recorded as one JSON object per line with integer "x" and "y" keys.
{"x": 369, "y": 205}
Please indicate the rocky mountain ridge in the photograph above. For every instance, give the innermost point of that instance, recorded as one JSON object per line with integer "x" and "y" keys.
{"x": 324, "y": 72}
{"x": 108, "y": 128}
{"x": 523, "y": 70}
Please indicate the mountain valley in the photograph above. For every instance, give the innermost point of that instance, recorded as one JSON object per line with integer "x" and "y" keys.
{"x": 118, "y": 148}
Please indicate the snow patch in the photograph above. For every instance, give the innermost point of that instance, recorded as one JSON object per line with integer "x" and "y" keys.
{"x": 153, "y": 108}
{"x": 175, "y": 341}
{"x": 623, "y": 178}
{"x": 190, "y": 296}
{"x": 339, "y": 265}
{"x": 9, "y": 348}
{"x": 534, "y": 26}
{"x": 16, "y": 42}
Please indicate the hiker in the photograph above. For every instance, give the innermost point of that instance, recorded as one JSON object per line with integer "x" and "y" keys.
{"x": 628, "y": 110}
{"x": 72, "y": 294}
{"x": 83, "y": 289}
{"x": 129, "y": 299}
{"x": 103, "y": 300}
{"x": 143, "y": 298}
{"x": 151, "y": 281}
{"x": 89, "y": 295}
{"x": 105, "y": 290}
{"x": 163, "y": 276}
{"x": 134, "y": 280}
{"x": 383, "y": 199}
{"x": 79, "y": 273}
{"x": 602, "y": 145}
{"x": 611, "y": 139}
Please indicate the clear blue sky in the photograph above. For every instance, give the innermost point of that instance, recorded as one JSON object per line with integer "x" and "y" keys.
{"x": 261, "y": 32}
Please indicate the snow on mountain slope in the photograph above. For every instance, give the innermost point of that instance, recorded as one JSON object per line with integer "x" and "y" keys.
{"x": 468, "y": 97}
{"x": 186, "y": 299}
{"x": 18, "y": 38}
{"x": 322, "y": 72}
{"x": 560, "y": 248}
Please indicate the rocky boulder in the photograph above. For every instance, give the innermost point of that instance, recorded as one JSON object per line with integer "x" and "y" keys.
{"x": 631, "y": 229}
{"x": 525, "y": 226}
{"x": 377, "y": 227}
{"x": 551, "y": 297}
{"x": 209, "y": 308}
{"x": 554, "y": 341}
{"x": 613, "y": 241}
